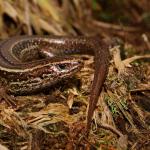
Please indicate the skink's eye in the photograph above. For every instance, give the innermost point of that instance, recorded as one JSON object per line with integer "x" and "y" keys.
{"x": 62, "y": 66}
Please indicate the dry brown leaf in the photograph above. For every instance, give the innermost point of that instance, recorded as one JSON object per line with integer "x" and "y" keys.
{"x": 9, "y": 10}
{"x": 72, "y": 93}
{"x": 122, "y": 64}
{"x": 2, "y": 147}
{"x": 50, "y": 8}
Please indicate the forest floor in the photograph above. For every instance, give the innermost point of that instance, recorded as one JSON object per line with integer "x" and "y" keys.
{"x": 53, "y": 119}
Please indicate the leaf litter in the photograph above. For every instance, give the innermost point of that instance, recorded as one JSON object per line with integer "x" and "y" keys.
{"x": 54, "y": 119}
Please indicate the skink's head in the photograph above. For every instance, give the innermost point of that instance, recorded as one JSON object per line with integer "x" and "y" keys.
{"x": 45, "y": 74}
{"x": 61, "y": 68}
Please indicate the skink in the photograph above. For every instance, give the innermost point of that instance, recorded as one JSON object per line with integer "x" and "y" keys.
{"x": 31, "y": 63}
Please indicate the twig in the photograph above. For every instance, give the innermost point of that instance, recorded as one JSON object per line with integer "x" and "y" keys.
{"x": 129, "y": 60}
{"x": 115, "y": 27}
{"x": 146, "y": 40}
{"x": 109, "y": 127}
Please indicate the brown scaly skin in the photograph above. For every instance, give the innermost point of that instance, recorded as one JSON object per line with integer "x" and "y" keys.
{"x": 20, "y": 66}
